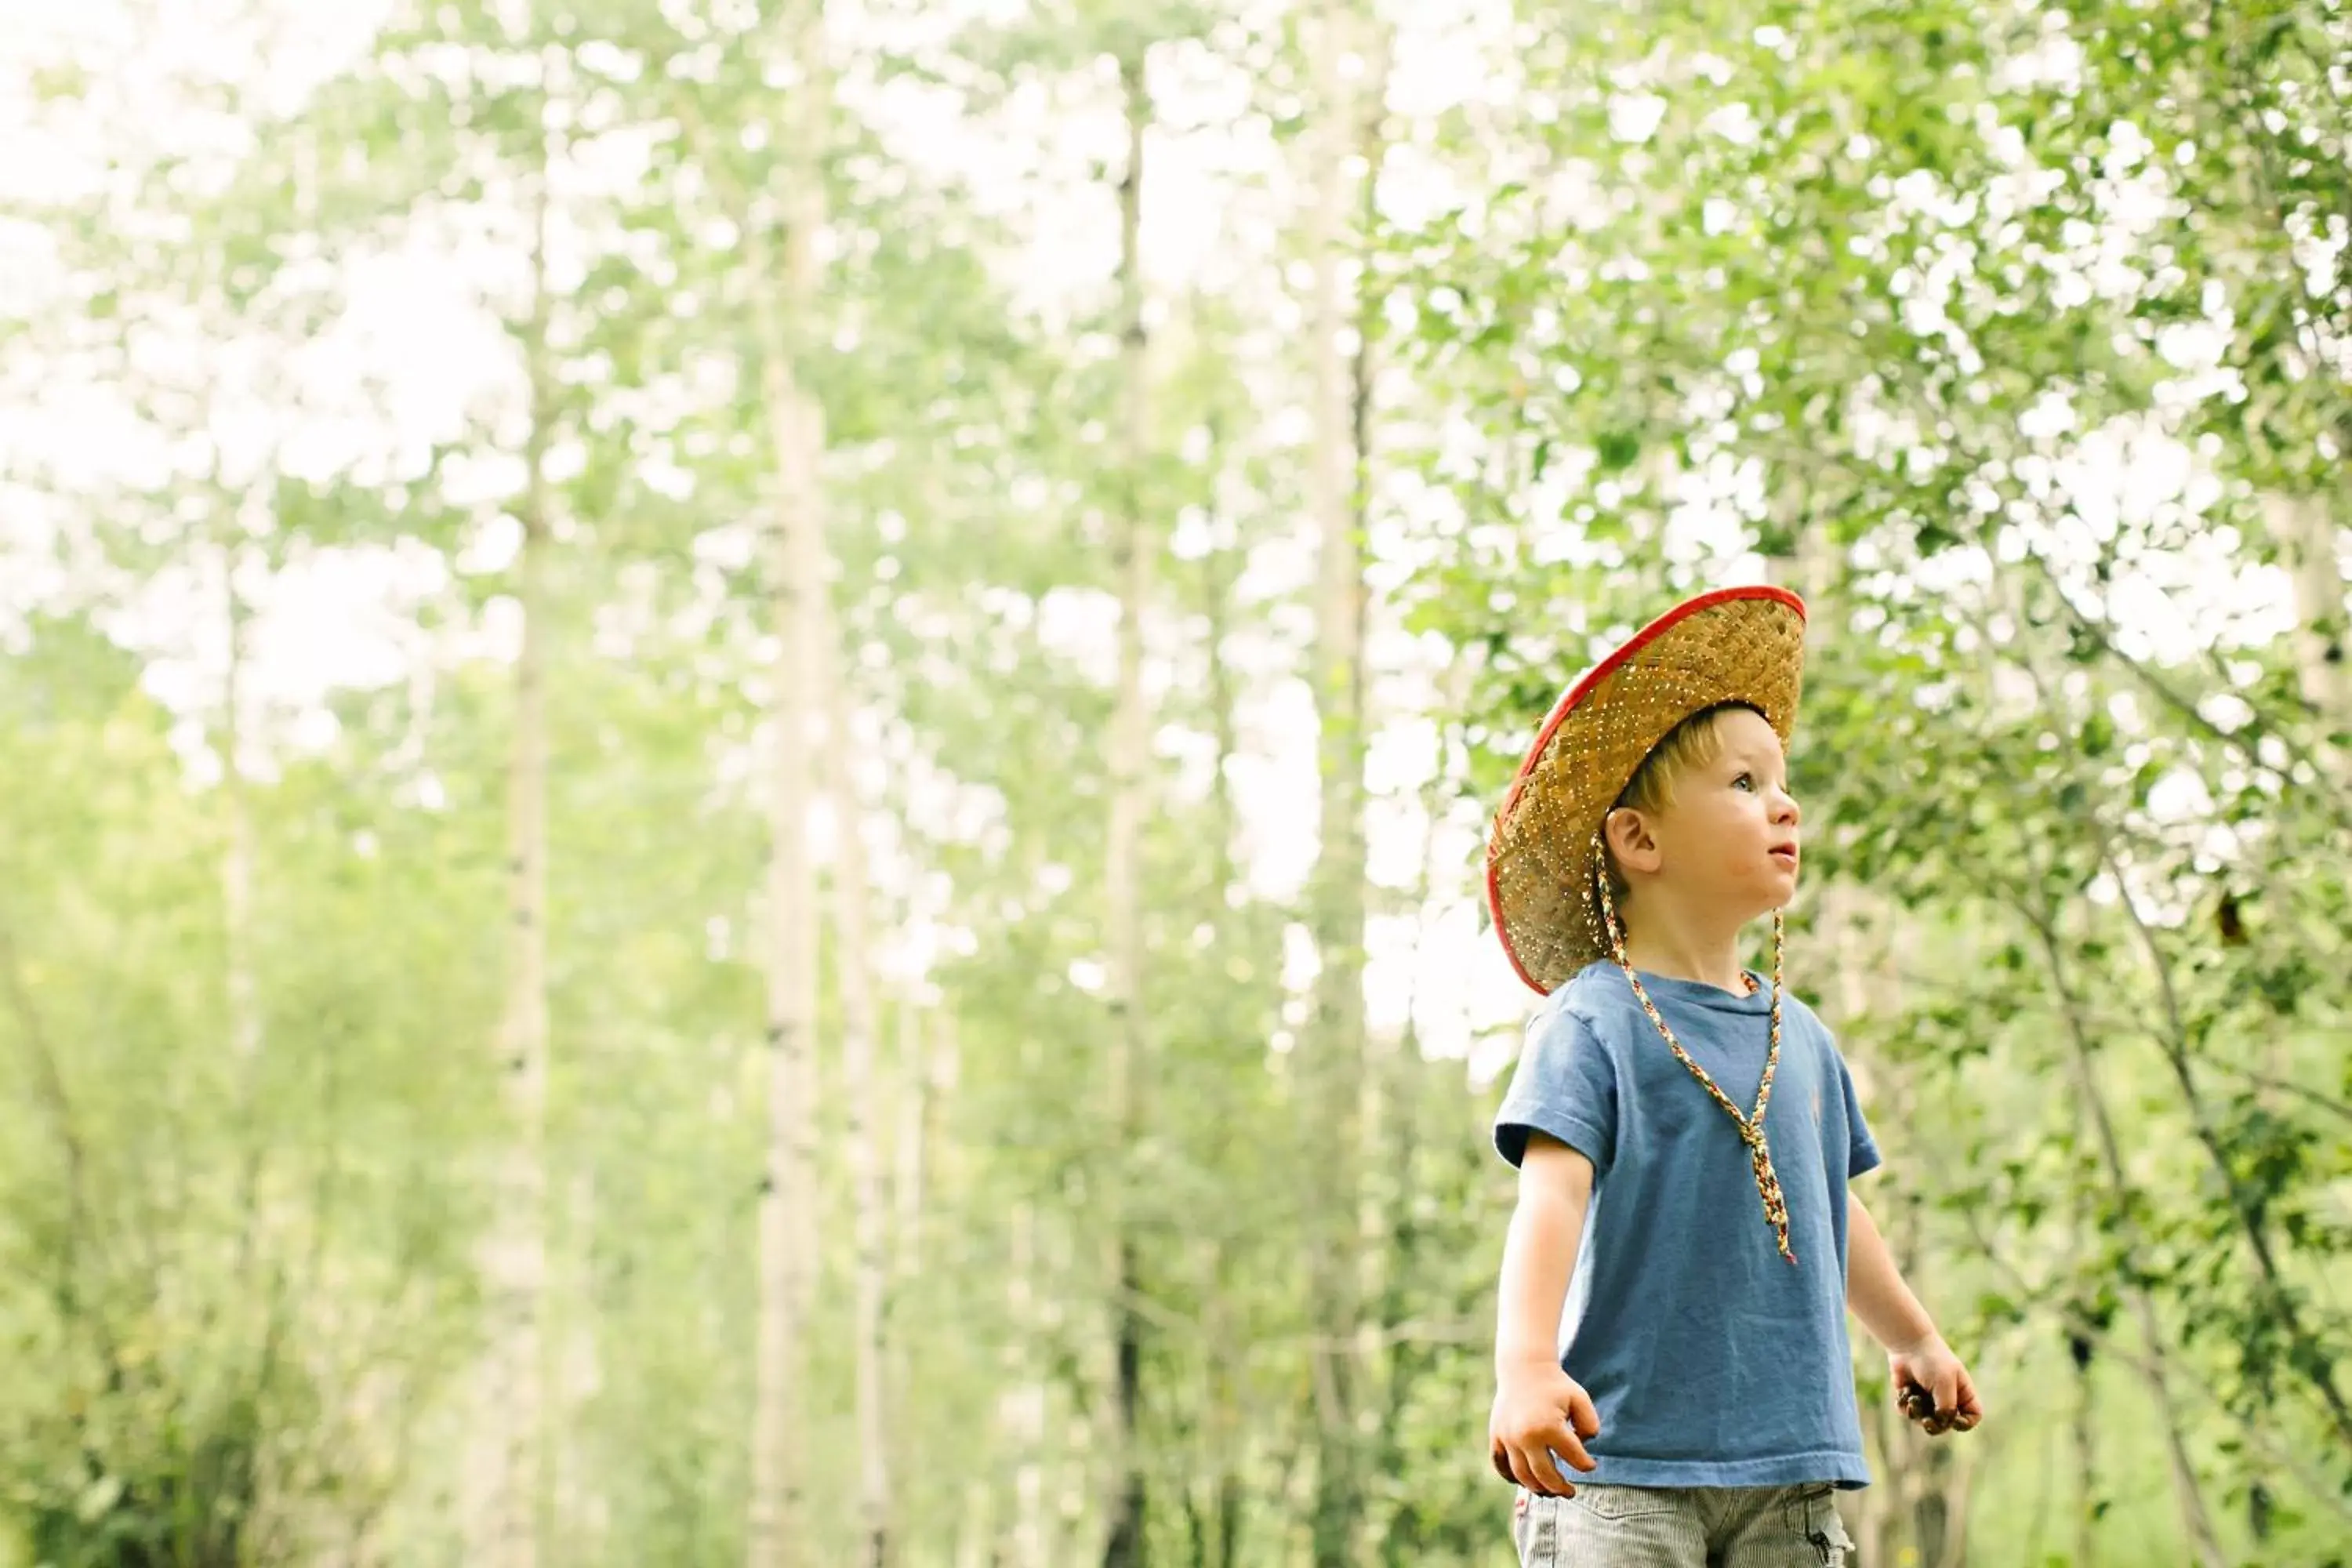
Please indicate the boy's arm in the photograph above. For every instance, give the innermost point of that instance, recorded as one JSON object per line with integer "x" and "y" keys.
{"x": 1539, "y": 1255}
{"x": 1874, "y": 1286}
{"x": 1540, "y": 1414}
{"x": 1916, "y": 1353}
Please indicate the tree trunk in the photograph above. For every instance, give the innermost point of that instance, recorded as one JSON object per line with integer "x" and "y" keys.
{"x": 2087, "y": 1474}
{"x": 245, "y": 1022}
{"x": 237, "y": 863}
{"x": 1122, "y": 875}
{"x": 777, "y": 1536}
{"x": 1910, "y": 1522}
{"x": 975, "y": 1528}
{"x": 1217, "y": 579}
{"x": 518, "y": 1272}
{"x": 2086, "y": 1415}
{"x": 918, "y": 1067}
{"x": 1930, "y": 1460}
{"x": 941, "y": 1166}
{"x": 1335, "y": 1049}
{"x": 2305, "y": 536}
{"x": 581, "y": 1514}
{"x": 1219, "y": 1453}
{"x": 862, "y": 1098}
{"x": 1383, "y": 1189}
{"x": 926, "y": 1074}
{"x": 1022, "y": 1399}
{"x": 1407, "y": 1365}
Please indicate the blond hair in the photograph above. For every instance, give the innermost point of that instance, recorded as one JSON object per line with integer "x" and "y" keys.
{"x": 1695, "y": 743}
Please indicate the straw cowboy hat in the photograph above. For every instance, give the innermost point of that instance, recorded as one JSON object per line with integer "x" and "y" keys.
{"x": 1736, "y": 645}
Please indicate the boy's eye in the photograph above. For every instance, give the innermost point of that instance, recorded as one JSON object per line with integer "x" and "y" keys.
{"x": 1744, "y": 780}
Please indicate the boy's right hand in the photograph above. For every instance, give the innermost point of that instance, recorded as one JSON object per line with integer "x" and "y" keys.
{"x": 1540, "y": 1410}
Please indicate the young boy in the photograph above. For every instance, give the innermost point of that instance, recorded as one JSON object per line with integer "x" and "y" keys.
{"x": 1684, "y": 1133}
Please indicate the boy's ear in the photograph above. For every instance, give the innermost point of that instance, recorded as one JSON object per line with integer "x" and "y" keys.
{"x": 1630, "y": 840}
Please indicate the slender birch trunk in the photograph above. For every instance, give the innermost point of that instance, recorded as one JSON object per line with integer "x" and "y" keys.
{"x": 2305, "y": 536}
{"x": 236, "y": 861}
{"x": 778, "y": 1534}
{"x": 2084, "y": 1423}
{"x": 581, "y": 1514}
{"x": 518, "y": 1272}
{"x": 1381, "y": 1197}
{"x": 1335, "y": 1050}
{"x": 1022, "y": 1404}
{"x": 243, "y": 995}
{"x": 929, "y": 1067}
{"x": 910, "y": 1143}
{"x": 862, "y": 1100}
{"x": 1122, "y": 875}
{"x": 910, "y": 1170}
{"x": 1220, "y": 1442}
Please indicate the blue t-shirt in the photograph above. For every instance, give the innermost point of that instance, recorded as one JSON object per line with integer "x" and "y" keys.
{"x": 1711, "y": 1361}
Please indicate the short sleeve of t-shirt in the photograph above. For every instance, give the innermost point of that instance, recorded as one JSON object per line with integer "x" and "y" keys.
{"x": 1564, "y": 1086}
{"x": 1862, "y": 1150}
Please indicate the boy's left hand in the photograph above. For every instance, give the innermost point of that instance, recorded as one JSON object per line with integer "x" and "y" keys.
{"x": 1933, "y": 1389}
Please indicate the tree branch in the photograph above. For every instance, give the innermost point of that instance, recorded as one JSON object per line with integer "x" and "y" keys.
{"x": 2326, "y": 1102}
{"x": 2180, "y": 703}
{"x": 2321, "y": 1487}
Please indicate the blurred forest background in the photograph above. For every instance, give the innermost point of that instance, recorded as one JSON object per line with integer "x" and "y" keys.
{"x": 743, "y": 749}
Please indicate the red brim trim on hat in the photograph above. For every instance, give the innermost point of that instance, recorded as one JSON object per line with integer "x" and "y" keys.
{"x": 1567, "y": 705}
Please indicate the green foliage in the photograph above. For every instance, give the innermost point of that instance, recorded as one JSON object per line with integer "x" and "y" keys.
{"x": 2002, "y": 331}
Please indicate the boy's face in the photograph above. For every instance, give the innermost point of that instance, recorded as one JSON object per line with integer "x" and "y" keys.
{"x": 1728, "y": 841}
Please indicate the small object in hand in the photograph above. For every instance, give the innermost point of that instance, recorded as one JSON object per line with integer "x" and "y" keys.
{"x": 1920, "y": 1406}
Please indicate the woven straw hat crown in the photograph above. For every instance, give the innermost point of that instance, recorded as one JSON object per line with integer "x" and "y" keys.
{"x": 1736, "y": 645}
